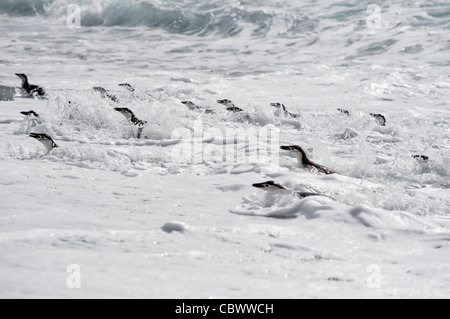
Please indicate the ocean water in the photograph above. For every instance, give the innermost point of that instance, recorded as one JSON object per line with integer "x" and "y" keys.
{"x": 388, "y": 57}
{"x": 396, "y": 44}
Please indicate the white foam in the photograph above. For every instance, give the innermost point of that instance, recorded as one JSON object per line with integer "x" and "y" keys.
{"x": 102, "y": 199}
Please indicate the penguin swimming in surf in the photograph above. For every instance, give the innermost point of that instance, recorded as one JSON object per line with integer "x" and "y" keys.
{"x": 345, "y": 112}
{"x": 191, "y": 105}
{"x": 30, "y": 89}
{"x": 46, "y": 140}
{"x": 127, "y": 86}
{"x": 194, "y": 107}
{"x": 275, "y": 188}
{"x": 380, "y": 118}
{"x": 283, "y": 108}
{"x": 230, "y": 106}
{"x": 132, "y": 118}
{"x": 422, "y": 158}
{"x": 30, "y": 113}
{"x": 305, "y": 162}
{"x": 34, "y": 119}
{"x": 105, "y": 94}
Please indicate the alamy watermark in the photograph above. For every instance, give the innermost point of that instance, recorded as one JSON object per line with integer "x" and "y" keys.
{"x": 229, "y": 145}
{"x": 374, "y": 19}
{"x": 73, "y": 19}
{"x": 74, "y": 279}
{"x": 374, "y": 278}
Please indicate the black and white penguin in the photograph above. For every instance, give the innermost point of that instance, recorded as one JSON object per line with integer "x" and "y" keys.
{"x": 275, "y": 188}
{"x": 46, "y": 140}
{"x": 422, "y": 158}
{"x": 30, "y": 113}
{"x": 286, "y": 113}
{"x": 345, "y": 112}
{"x": 380, "y": 118}
{"x": 127, "y": 86}
{"x": 305, "y": 162}
{"x": 132, "y": 118}
{"x": 33, "y": 118}
{"x": 230, "y": 106}
{"x": 32, "y": 90}
{"x": 105, "y": 94}
{"x": 191, "y": 105}
{"x": 194, "y": 107}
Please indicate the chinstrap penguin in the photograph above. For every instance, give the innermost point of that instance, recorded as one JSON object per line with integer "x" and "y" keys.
{"x": 46, "y": 140}
{"x": 345, "y": 112}
{"x": 127, "y": 86}
{"x": 422, "y": 158}
{"x": 230, "y": 106}
{"x": 132, "y": 118}
{"x": 380, "y": 118}
{"x": 105, "y": 94}
{"x": 275, "y": 188}
{"x": 305, "y": 162}
{"x": 33, "y": 119}
{"x": 194, "y": 107}
{"x": 33, "y": 90}
{"x": 282, "y": 107}
{"x": 30, "y": 113}
{"x": 191, "y": 105}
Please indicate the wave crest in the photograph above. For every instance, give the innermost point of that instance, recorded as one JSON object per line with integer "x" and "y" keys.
{"x": 186, "y": 17}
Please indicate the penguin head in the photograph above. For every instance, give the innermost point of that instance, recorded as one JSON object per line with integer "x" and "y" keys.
{"x": 30, "y": 113}
{"x": 423, "y": 158}
{"x": 297, "y": 151}
{"x": 226, "y": 102}
{"x": 189, "y": 104}
{"x": 101, "y": 90}
{"x": 269, "y": 186}
{"x": 127, "y": 86}
{"x": 23, "y": 77}
{"x": 277, "y": 105}
{"x": 293, "y": 148}
{"x": 345, "y": 112}
{"x": 125, "y": 112}
{"x": 380, "y": 118}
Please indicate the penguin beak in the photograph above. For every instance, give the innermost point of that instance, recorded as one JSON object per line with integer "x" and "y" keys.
{"x": 286, "y": 148}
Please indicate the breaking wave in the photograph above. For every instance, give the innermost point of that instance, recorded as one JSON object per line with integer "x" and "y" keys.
{"x": 182, "y": 17}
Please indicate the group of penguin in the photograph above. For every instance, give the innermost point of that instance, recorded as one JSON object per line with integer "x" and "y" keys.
{"x": 271, "y": 186}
